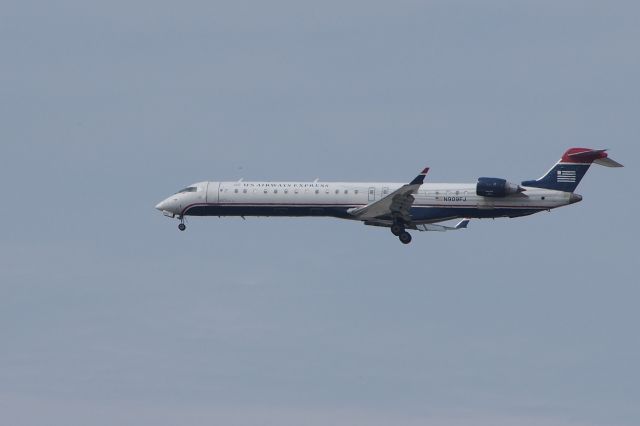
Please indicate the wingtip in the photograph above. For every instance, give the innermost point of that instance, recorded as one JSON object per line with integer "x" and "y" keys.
{"x": 463, "y": 223}
{"x": 420, "y": 178}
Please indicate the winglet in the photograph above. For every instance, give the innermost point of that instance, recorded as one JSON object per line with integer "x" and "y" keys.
{"x": 462, "y": 224}
{"x": 419, "y": 180}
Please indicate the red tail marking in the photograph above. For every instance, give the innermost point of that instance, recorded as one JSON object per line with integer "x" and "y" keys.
{"x": 582, "y": 155}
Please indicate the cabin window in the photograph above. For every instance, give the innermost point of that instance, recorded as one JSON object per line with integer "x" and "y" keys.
{"x": 346, "y": 191}
{"x": 355, "y": 191}
{"x": 295, "y": 190}
{"x": 286, "y": 191}
{"x": 542, "y": 198}
{"x": 265, "y": 191}
{"x": 235, "y": 190}
{"x": 317, "y": 191}
{"x": 275, "y": 191}
{"x": 244, "y": 190}
{"x": 337, "y": 191}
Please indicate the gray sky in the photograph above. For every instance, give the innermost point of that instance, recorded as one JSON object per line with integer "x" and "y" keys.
{"x": 109, "y": 315}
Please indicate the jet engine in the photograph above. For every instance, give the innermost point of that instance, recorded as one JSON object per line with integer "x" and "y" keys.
{"x": 496, "y": 187}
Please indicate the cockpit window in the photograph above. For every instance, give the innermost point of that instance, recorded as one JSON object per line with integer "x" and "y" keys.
{"x": 188, "y": 189}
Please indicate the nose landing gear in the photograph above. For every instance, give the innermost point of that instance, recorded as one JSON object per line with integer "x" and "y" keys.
{"x": 182, "y": 226}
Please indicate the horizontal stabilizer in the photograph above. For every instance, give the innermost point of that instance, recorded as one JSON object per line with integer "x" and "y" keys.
{"x": 607, "y": 162}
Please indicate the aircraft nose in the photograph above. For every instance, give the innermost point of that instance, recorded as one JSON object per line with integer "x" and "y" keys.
{"x": 574, "y": 198}
{"x": 161, "y": 205}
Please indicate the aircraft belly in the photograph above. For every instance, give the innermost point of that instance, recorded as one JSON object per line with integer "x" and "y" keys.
{"x": 419, "y": 214}
{"x": 268, "y": 210}
{"x": 436, "y": 213}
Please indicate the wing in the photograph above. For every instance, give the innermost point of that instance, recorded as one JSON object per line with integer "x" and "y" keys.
{"x": 441, "y": 228}
{"x": 396, "y": 205}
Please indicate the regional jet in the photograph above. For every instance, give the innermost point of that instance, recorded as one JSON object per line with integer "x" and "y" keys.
{"x": 400, "y": 207}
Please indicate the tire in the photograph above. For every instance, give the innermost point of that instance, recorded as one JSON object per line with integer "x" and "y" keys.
{"x": 396, "y": 229}
{"x": 182, "y": 227}
{"x": 405, "y": 237}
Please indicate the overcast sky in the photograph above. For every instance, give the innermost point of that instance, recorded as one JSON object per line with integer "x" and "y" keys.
{"x": 109, "y": 315}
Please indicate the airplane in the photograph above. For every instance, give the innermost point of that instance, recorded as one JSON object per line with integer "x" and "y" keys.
{"x": 411, "y": 206}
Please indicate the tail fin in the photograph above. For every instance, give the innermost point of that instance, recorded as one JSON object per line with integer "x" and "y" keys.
{"x": 569, "y": 171}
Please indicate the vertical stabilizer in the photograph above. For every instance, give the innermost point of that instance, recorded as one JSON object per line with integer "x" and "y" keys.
{"x": 569, "y": 171}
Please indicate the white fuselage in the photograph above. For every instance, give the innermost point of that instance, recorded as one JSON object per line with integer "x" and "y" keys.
{"x": 433, "y": 202}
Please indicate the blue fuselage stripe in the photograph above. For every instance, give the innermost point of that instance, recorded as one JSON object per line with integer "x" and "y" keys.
{"x": 418, "y": 212}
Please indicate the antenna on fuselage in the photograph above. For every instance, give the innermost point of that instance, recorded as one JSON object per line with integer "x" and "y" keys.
{"x": 316, "y": 181}
{"x": 240, "y": 180}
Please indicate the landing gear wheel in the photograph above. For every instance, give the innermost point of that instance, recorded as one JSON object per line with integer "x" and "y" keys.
{"x": 397, "y": 229}
{"x": 405, "y": 237}
{"x": 182, "y": 227}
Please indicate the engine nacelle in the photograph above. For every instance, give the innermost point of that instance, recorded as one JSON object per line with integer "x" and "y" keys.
{"x": 496, "y": 187}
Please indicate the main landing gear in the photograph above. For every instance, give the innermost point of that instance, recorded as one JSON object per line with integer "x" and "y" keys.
{"x": 405, "y": 237}
{"x": 398, "y": 230}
